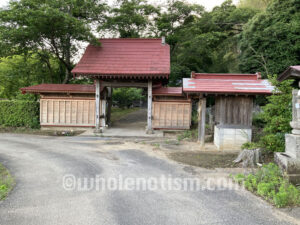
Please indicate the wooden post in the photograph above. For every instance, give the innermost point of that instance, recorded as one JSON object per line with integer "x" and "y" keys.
{"x": 109, "y": 105}
{"x": 103, "y": 113}
{"x": 149, "y": 112}
{"x": 97, "y": 99}
{"x": 201, "y": 120}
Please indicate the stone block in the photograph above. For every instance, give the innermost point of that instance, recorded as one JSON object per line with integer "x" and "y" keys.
{"x": 289, "y": 165}
{"x": 292, "y": 145}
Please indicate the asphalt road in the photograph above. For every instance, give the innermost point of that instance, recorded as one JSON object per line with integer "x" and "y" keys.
{"x": 40, "y": 164}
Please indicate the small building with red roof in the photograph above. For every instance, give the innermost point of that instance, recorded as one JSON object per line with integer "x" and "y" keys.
{"x": 233, "y": 95}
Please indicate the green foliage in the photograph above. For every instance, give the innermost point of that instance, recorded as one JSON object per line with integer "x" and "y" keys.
{"x": 176, "y": 16}
{"x": 187, "y": 134}
{"x": 56, "y": 26}
{"x": 254, "y": 4}
{"x": 250, "y": 145}
{"x": 24, "y": 70}
{"x": 6, "y": 182}
{"x": 207, "y": 42}
{"x": 270, "y": 40}
{"x": 118, "y": 113}
{"x": 287, "y": 195}
{"x": 124, "y": 97}
{"x": 16, "y": 113}
{"x": 269, "y": 183}
{"x": 130, "y": 18}
{"x": 257, "y": 121}
{"x": 276, "y": 116}
{"x": 239, "y": 178}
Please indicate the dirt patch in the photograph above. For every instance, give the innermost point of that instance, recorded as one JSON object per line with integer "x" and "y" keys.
{"x": 113, "y": 143}
{"x": 209, "y": 160}
{"x": 120, "y": 115}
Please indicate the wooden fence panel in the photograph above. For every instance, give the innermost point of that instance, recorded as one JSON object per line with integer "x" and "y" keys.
{"x": 171, "y": 115}
{"x": 65, "y": 112}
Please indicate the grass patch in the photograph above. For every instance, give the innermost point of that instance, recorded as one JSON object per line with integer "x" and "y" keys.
{"x": 269, "y": 183}
{"x": 190, "y": 135}
{"x": 118, "y": 113}
{"x": 209, "y": 160}
{"x": 6, "y": 182}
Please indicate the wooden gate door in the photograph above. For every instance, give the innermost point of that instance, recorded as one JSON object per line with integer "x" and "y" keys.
{"x": 171, "y": 115}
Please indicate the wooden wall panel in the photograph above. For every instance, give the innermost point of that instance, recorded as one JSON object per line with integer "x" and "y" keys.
{"x": 65, "y": 112}
{"x": 234, "y": 110}
{"x": 171, "y": 115}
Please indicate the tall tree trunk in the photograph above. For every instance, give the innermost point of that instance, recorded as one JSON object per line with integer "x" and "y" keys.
{"x": 67, "y": 76}
{"x": 68, "y": 60}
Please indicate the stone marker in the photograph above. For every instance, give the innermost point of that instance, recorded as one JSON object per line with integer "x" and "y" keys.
{"x": 289, "y": 161}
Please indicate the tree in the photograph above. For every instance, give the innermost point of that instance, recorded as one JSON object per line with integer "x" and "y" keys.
{"x": 55, "y": 26}
{"x": 131, "y": 19}
{"x": 209, "y": 43}
{"x": 124, "y": 97}
{"x": 174, "y": 18}
{"x": 254, "y": 4}
{"x": 270, "y": 40}
{"x": 24, "y": 70}
{"x": 174, "y": 22}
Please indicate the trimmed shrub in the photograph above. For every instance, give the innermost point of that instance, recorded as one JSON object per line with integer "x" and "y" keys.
{"x": 16, "y": 113}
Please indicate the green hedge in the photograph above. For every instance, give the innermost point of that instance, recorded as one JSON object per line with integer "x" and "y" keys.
{"x": 16, "y": 113}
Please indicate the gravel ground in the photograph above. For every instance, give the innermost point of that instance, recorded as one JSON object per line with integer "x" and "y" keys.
{"x": 40, "y": 164}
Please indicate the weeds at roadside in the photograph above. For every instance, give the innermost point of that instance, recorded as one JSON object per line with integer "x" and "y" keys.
{"x": 6, "y": 182}
{"x": 188, "y": 134}
{"x": 269, "y": 183}
{"x": 156, "y": 145}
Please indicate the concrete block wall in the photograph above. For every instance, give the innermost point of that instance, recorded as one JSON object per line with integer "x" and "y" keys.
{"x": 231, "y": 137}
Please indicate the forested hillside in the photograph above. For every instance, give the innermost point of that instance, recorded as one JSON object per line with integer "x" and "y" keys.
{"x": 42, "y": 40}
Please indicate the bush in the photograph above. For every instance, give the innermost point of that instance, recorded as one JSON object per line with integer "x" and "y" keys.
{"x": 250, "y": 145}
{"x": 269, "y": 183}
{"x": 18, "y": 113}
{"x": 276, "y": 117}
{"x": 273, "y": 142}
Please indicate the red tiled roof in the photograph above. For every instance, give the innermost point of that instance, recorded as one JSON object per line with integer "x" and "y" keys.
{"x": 126, "y": 58}
{"x": 227, "y": 84}
{"x": 59, "y": 88}
{"x": 291, "y": 72}
{"x": 168, "y": 91}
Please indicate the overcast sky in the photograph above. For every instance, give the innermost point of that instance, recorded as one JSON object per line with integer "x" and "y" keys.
{"x": 208, "y": 4}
